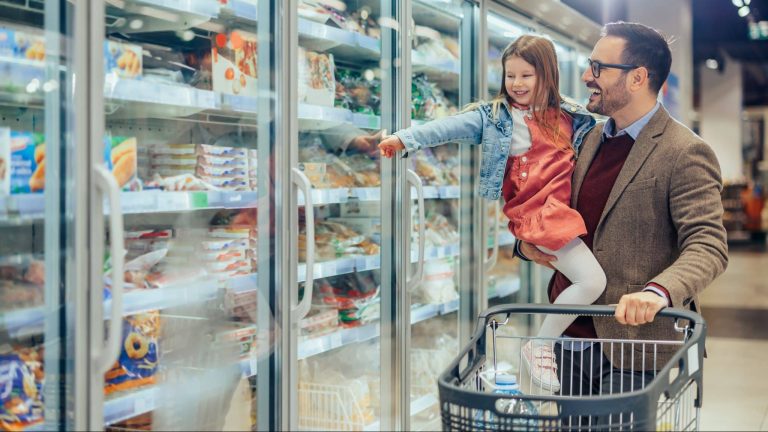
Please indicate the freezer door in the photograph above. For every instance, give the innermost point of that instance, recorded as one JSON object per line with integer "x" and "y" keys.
{"x": 42, "y": 219}
{"x": 443, "y": 304}
{"x": 183, "y": 232}
{"x": 341, "y": 98}
{"x": 502, "y": 281}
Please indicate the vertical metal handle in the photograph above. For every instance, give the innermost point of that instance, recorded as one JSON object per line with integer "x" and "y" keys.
{"x": 301, "y": 309}
{"x": 105, "y": 357}
{"x": 491, "y": 261}
{"x": 416, "y": 279}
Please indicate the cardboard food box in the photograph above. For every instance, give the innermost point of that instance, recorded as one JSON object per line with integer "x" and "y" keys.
{"x": 22, "y": 44}
{"x": 27, "y": 162}
{"x": 121, "y": 156}
{"x": 234, "y": 65}
{"x": 317, "y": 80}
{"x": 122, "y": 59}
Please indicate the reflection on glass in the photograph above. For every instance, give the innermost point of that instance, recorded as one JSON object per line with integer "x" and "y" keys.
{"x": 33, "y": 342}
{"x": 435, "y": 93}
{"x": 339, "y": 117}
{"x": 502, "y": 281}
{"x": 501, "y": 32}
{"x": 565, "y": 62}
{"x": 182, "y": 93}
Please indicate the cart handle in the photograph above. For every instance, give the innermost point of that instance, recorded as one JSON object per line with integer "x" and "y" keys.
{"x": 591, "y": 310}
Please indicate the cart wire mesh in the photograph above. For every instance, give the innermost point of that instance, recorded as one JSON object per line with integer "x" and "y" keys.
{"x": 604, "y": 384}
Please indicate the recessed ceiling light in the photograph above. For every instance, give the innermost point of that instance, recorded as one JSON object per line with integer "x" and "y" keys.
{"x": 711, "y": 64}
{"x": 737, "y": 3}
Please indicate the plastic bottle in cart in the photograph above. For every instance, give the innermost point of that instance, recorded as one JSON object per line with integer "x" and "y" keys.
{"x": 507, "y": 384}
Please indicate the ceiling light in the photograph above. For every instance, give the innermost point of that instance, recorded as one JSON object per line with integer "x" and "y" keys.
{"x": 136, "y": 24}
{"x": 743, "y": 11}
{"x": 746, "y": 2}
{"x": 712, "y": 64}
{"x": 738, "y": 3}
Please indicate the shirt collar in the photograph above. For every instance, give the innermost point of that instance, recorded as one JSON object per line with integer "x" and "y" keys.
{"x": 632, "y": 130}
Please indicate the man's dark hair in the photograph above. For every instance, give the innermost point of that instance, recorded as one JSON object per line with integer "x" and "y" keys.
{"x": 645, "y": 46}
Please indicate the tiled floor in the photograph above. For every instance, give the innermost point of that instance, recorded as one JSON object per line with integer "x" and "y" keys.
{"x": 736, "y": 311}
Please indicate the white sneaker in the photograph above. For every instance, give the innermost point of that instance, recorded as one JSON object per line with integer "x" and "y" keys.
{"x": 541, "y": 364}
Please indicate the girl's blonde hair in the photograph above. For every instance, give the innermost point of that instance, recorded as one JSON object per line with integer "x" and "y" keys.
{"x": 540, "y": 53}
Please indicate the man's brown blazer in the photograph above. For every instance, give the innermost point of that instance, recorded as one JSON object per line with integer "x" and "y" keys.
{"x": 662, "y": 223}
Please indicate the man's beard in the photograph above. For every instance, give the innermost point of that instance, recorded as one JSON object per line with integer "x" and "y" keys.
{"x": 612, "y": 100}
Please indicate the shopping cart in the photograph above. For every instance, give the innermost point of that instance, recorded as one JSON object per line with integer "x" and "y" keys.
{"x": 633, "y": 395}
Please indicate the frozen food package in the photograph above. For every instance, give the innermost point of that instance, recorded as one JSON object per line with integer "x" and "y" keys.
{"x": 319, "y": 321}
{"x": 122, "y": 59}
{"x": 27, "y": 162}
{"x": 235, "y": 63}
{"x": 317, "y": 83}
{"x": 5, "y": 161}
{"x": 24, "y": 44}
{"x": 21, "y": 387}
{"x": 137, "y": 269}
{"x": 137, "y": 364}
{"x": 121, "y": 154}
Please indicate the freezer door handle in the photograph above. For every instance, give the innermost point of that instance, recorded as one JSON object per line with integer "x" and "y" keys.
{"x": 416, "y": 279}
{"x": 106, "y": 356}
{"x": 491, "y": 261}
{"x": 301, "y": 309}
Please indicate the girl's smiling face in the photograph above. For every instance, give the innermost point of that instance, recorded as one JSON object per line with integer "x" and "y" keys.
{"x": 520, "y": 80}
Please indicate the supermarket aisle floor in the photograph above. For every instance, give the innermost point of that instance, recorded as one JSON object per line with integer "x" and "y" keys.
{"x": 736, "y": 308}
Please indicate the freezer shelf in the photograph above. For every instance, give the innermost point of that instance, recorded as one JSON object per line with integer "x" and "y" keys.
{"x": 32, "y": 206}
{"x": 192, "y": 7}
{"x": 128, "y": 404}
{"x": 130, "y": 99}
{"x": 30, "y": 321}
{"x": 312, "y": 346}
{"x": 320, "y": 37}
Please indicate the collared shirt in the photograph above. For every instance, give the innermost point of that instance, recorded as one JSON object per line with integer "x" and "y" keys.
{"x": 634, "y": 129}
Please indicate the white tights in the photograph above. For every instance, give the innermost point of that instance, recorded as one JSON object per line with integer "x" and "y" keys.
{"x": 580, "y": 266}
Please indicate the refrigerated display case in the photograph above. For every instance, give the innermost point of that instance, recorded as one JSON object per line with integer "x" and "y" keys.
{"x": 180, "y": 134}
{"x": 39, "y": 313}
{"x": 338, "y": 116}
{"x": 198, "y": 231}
{"x": 439, "y": 63}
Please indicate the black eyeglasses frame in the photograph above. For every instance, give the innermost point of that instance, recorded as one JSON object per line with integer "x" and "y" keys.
{"x": 596, "y": 65}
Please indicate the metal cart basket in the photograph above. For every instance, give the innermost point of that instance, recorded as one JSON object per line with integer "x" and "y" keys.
{"x": 632, "y": 391}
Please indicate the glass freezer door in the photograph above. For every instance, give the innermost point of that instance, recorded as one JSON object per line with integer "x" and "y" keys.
{"x": 440, "y": 57}
{"x": 37, "y": 226}
{"x": 503, "y": 279}
{"x": 336, "y": 175}
{"x": 181, "y": 154}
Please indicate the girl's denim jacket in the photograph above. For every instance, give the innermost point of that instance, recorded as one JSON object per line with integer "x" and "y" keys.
{"x": 495, "y": 134}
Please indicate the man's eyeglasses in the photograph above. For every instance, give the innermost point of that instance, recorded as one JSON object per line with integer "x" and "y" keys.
{"x": 596, "y": 66}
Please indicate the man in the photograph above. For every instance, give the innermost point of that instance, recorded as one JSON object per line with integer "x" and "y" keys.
{"x": 649, "y": 192}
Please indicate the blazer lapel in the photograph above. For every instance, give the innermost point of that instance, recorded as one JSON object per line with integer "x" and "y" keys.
{"x": 641, "y": 149}
{"x": 584, "y": 161}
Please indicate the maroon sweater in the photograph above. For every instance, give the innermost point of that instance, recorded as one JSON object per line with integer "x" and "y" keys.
{"x": 593, "y": 195}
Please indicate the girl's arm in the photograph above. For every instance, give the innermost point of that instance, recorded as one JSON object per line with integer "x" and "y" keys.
{"x": 464, "y": 128}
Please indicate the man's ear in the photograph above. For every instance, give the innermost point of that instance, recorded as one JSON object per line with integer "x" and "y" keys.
{"x": 638, "y": 78}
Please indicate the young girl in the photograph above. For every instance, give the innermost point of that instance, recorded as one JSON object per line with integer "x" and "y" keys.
{"x": 529, "y": 139}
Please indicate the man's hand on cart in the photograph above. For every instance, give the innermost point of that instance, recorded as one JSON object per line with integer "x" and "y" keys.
{"x": 639, "y": 308}
{"x": 534, "y": 254}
